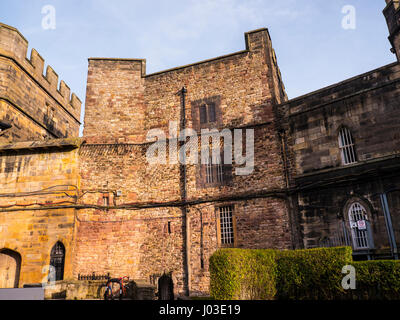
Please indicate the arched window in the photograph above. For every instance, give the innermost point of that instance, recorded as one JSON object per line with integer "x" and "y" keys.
{"x": 57, "y": 258}
{"x": 360, "y": 227}
{"x": 346, "y": 146}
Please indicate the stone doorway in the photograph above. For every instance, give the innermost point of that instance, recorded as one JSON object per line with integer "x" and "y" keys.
{"x": 165, "y": 288}
{"x": 10, "y": 267}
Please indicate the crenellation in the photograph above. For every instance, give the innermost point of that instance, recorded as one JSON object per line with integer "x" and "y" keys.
{"x": 75, "y": 102}
{"x": 122, "y": 215}
{"x": 46, "y": 89}
{"x": 38, "y": 62}
{"x": 52, "y": 78}
{"x": 13, "y": 45}
{"x": 65, "y": 91}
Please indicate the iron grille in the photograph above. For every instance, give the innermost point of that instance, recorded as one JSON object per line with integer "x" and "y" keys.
{"x": 226, "y": 222}
{"x": 358, "y": 214}
{"x": 346, "y": 146}
{"x": 57, "y": 258}
{"x": 214, "y": 170}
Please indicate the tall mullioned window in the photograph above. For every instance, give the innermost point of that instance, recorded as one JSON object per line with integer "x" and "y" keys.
{"x": 347, "y": 147}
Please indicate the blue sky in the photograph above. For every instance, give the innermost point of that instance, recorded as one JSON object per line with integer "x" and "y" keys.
{"x": 312, "y": 48}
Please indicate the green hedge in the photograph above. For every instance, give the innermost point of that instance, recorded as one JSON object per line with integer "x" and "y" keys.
{"x": 377, "y": 279}
{"x": 312, "y": 273}
{"x": 243, "y": 274}
{"x": 270, "y": 274}
{"x": 300, "y": 275}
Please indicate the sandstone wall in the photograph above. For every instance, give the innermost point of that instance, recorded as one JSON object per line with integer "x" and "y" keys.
{"x": 36, "y": 105}
{"x": 35, "y": 181}
{"x": 123, "y": 103}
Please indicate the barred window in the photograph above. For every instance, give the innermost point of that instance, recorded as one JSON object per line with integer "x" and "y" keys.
{"x": 226, "y": 225}
{"x": 214, "y": 170}
{"x": 346, "y": 146}
{"x": 359, "y": 225}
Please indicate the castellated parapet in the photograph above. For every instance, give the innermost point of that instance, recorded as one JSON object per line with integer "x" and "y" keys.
{"x": 51, "y": 110}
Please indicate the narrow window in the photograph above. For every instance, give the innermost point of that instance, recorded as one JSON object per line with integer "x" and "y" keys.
{"x": 346, "y": 146}
{"x": 214, "y": 170}
{"x": 226, "y": 225}
{"x": 106, "y": 200}
{"x": 209, "y": 171}
{"x": 57, "y": 258}
{"x": 211, "y": 113}
{"x": 169, "y": 227}
{"x": 219, "y": 172}
{"x": 203, "y": 114}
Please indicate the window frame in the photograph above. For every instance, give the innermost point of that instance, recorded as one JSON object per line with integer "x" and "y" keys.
{"x": 57, "y": 264}
{"x": 220, "y": 232}
{"x": 347, "y": 146}
{"x": 210, "y": 103}
{"x": 356, "y": 211}
{"x": 221, "y": 173}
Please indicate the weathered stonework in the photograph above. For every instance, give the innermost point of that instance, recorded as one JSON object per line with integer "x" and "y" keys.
{"x": 119, "y": 90}
{"x": 35, "y": 105}
{"x": 117, "y": 213}
{"x": 122, "y": 105}
{"x": 368, "y": 106}
{"x": 37, "y": 180}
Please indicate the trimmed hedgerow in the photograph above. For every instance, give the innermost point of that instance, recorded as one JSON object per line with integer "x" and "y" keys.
{"x": 312, "y": 273}
{"x": 299, "y": 275}
{"x": 377, "y": 279}
{"x": 270, "y": 274}
{"x": 243, "y": 274}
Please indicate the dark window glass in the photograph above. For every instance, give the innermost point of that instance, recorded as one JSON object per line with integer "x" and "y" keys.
{"x": 203, "y": 114}
{"x": 57, "y": 258}
{"x": 211, "y": 113}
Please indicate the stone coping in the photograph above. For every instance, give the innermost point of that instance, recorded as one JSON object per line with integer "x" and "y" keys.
{"x": 45, "y": 144}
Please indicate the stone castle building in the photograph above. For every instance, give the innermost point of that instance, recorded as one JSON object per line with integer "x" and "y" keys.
{"x": 326, "y": 165}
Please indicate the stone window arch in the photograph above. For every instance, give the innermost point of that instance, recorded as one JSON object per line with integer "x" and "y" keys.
{"x": 357, "y": 215}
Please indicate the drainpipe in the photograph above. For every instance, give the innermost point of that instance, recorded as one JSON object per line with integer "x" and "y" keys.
{"x": 183, "y": 171}
{"x": 389, "y": 225}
